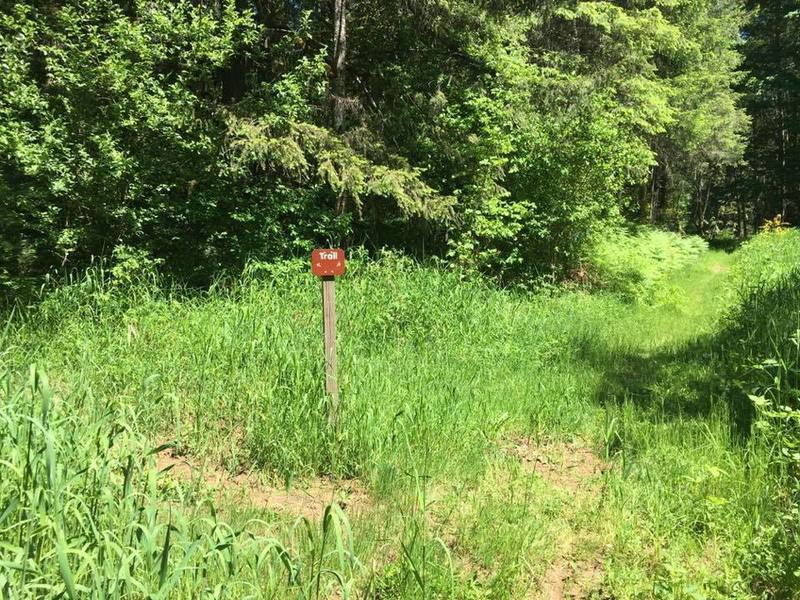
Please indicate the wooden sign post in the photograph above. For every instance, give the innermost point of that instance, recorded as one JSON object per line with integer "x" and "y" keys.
{"x": 327, "y": 264}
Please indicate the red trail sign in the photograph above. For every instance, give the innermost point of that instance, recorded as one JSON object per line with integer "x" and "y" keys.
{"x": 327, "y": 262}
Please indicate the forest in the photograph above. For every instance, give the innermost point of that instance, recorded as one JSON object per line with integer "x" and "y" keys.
{"x": 568, "y": 332}
{"x": 502, "y": 136}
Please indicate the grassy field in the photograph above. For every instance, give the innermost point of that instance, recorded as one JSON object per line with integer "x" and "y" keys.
{"x": 491, "y": 445}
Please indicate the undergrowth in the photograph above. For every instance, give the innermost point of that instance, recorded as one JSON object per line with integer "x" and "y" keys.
{"x": 637, "y": 265}
{"x": 763, "y": 336}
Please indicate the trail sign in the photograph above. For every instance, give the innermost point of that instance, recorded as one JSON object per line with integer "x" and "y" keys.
{"x": 327, "y": 262}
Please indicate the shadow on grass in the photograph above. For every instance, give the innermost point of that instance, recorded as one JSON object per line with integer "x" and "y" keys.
{"x": 684, "y": 381}
{"x": 692, "y": 379}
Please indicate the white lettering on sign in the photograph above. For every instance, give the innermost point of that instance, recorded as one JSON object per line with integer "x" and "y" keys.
{"x": 329, "y": 255}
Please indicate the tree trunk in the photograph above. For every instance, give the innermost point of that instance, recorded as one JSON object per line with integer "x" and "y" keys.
{"x": 658, "y": 192}
{"x": 697, "y": 200}
{"x": 705, "y": 208}
{"x": 784, "y": 171}
{"x": 653, "y": 197}
{"x": 338, "y": 84}
{"x": 741, "y": 218}
{"x": 339, "y": 62}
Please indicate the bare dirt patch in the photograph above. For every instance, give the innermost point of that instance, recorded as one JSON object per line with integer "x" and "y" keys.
{"x": 573, "y": 468}
{"x": 576, "y": 580}
{"x": 569, "y": 466}
{"x": 717, "y": 268}
{"x": 308, "y": 499}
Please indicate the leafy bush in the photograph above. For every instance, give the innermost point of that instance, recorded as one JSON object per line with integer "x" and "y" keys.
{"x": 205, "y": 134}
{"x": 636, "y": 265}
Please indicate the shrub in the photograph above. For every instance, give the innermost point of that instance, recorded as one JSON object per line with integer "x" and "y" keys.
{"x": 766, "y": 259}
{"x": 636, "y": 265}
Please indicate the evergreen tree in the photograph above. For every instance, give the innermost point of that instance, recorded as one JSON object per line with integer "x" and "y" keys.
{"x": 772, "y": 59}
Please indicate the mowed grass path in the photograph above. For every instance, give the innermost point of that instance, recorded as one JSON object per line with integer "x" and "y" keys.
{"x": 491, "y": 444}
{"x": 685, "y": 493}
{"x": 631, "y": 510}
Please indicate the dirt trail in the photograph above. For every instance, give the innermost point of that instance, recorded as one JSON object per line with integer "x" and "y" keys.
{"x": 247, "y": 489}
{"x": 577, "y": 571}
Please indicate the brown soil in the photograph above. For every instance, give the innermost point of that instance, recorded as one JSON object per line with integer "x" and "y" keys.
{"x": 307, "y": 500}
{"x": 576, "y": 580}
{"x": 570, "y": 467}
{"x": 718, "y": 268}
{"x": 575, "y": 469}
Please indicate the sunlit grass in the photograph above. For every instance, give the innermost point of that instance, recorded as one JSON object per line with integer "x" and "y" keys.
{"x": 437, "y": 374}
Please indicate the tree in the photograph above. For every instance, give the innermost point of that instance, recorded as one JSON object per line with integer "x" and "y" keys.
{"x": 772, "y": 58}
{"x": 500, "y": 134}
{"x": 339, "y": 62}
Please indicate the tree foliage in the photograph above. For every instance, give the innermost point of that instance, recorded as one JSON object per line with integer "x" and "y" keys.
{"x": 771, "y": 181}
{"x": 766, "y": 183}
{"x": 501, "y": 134}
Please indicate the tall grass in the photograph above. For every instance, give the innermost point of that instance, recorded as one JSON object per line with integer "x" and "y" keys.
{"x": 433, "y": 370}
{"x": 83, "y": 514}
{"x": 708, "y": 439}
{"x": 763, "y": 341}
{"x": 437, "y": 374}
{"x": 235, "y": 373}
{"x": 766, "y": 260}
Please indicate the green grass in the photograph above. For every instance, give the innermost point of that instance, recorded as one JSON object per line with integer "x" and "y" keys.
{"x": 439, "y": 375}
{"x": 766, "y": 259}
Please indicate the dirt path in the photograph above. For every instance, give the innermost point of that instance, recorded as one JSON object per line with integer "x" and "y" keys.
{"x": 573, "y": 469}
{"x": 577, "y": 572}
{"x": 247, "y": 489}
